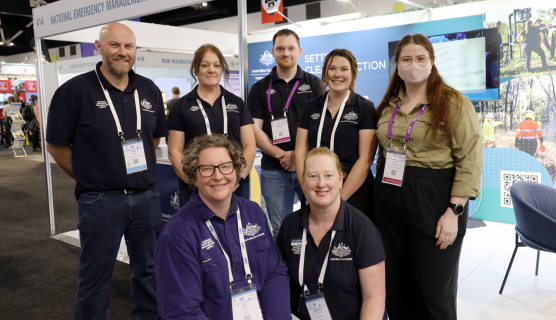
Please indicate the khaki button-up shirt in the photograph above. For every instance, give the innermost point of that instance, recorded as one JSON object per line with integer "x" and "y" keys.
{"x": 465, "y": 154}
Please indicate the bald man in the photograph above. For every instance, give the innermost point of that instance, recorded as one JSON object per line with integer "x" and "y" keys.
{"x": 103, "y": 129}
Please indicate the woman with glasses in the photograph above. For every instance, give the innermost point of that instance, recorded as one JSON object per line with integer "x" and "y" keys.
{"x": 210, "y": 109}
{"x": 216, "y": 258}
{"x": 429, "y": 166}
{"x": 344, "y": 122}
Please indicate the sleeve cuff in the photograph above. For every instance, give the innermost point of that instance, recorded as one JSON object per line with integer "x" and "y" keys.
{"x": 465, "y": 190}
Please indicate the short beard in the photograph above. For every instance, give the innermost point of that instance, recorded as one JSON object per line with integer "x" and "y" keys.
{"x": 109, "y": 64}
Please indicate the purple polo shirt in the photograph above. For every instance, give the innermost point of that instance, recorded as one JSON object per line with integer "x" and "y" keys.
{"x": 191, "y": 271}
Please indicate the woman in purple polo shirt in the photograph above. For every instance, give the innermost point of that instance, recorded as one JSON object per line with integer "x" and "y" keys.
{"x": 216, "y": 258}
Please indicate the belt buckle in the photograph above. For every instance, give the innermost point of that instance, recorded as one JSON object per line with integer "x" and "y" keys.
{"x": 127, "y": 191}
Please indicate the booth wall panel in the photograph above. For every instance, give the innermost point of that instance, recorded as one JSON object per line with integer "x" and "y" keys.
{"x": 153, "y": 72}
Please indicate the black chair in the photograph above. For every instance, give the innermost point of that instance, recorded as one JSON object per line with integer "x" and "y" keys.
{"x": 535, "y": 215}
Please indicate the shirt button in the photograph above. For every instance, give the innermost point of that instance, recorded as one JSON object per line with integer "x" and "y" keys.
{"x": 125, "y": 100}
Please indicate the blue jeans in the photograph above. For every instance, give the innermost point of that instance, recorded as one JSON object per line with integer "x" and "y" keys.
{"x": 103, "y": 219}
{"x": 184, "y": 193}
{"x": 278, "y": 188}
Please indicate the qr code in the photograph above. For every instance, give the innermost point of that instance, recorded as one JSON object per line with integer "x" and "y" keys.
{"x": 135, "y": 161}
{"x": 247, "y": 317}
{"x": 507, "y": 180}
{"x": 393, "y": 173}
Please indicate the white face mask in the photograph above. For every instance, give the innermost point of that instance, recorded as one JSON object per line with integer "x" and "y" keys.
{"x": 415, "y": 74}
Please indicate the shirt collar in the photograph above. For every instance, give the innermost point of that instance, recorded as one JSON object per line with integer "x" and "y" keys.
{"x": 351, "y": 101}
{"x": 401, "y": 93}
{"x": 131, "y": 85}
{"x": 194, "y": 95}
{"x": 203, "y": 210}
{"x": 338, "y": 222}
{"x": 274, "y": 75}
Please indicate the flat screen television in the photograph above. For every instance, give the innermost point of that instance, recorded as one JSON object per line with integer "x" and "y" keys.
{"x": 468, "y": 61}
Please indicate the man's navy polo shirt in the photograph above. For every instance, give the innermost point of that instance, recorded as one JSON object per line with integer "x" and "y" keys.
{"x": 79, "y": 116}
{"x": 186, "y": 116}
{"x": 357, "y": 245}
{"x": 359, "y": 114}
{"x": 310, "y": 87}
{"x": 192, "y": 279}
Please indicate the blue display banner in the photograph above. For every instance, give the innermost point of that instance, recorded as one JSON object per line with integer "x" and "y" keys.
{"x": 370, "y": 47}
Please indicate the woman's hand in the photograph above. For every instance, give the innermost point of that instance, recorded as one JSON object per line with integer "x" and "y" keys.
{"x": 447, "y": 229}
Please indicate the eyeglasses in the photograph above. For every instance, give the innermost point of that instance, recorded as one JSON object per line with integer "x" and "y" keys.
{"x": 420, "y": 61}
{"x": 208, "y": 170}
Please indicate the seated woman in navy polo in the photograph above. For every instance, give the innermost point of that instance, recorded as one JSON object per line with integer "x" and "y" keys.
{"x": 215, "y": 258}
{"x": 334, "y": 253}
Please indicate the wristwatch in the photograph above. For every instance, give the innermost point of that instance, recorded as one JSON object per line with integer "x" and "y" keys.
{"x": 241, "y": 181}
{"x": 457, "y": 208}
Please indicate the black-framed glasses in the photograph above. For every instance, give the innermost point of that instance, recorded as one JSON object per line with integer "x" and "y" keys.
{"x": 208, "y": 170}
{"x": 406, "y": 62}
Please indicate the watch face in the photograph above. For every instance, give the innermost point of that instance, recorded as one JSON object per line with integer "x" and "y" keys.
{"x": 459, "y": 209}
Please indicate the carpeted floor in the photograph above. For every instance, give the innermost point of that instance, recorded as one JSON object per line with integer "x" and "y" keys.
{"x": 38, "y": 275}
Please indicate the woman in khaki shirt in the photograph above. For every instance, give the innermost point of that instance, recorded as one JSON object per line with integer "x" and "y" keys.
{"x": 423, "y": 221}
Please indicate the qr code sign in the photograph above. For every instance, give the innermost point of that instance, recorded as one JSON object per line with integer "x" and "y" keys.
{"x": 507, "y": 180}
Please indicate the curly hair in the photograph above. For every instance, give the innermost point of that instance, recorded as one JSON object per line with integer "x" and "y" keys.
{"x": 323, "y": 151}
{"x": 190, "y": 159}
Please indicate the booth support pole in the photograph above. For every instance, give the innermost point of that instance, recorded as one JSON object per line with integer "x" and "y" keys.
{"x": 43, "y": 112}
{"x": 243, "y": 71}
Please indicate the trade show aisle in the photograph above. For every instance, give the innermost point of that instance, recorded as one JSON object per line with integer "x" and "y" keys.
{"x": 38, "y": 275}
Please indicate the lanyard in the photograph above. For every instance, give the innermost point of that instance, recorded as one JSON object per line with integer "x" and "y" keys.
{"x": 408, "y": 133}
{"x": 115, "y": 115}
{"x": 206, "y": 118}
{"x": 338, "y": 116}
{"x": 302, "y": 262}
{"x": 245, "y": 259}
{"x": 287, "y": 102}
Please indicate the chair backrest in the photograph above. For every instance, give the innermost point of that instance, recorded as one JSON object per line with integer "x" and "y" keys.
{"x": 535, "y": 212}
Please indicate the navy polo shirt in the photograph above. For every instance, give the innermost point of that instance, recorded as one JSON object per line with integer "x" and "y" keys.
{"x": 186, "y": 116}
{"x": 191, "y": 271}
{"x": 359, "y": 114}
{"x": 310, "y": 87}
{"x": 79, "y": 116}
{"x": 357, "y": 245}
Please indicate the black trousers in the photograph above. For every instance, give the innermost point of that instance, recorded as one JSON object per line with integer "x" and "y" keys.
{"x": 527, "y": 145}
{"x": 361, "y": 199}
{"x": 421, "y": 279}
{"x": 35, "y": 139}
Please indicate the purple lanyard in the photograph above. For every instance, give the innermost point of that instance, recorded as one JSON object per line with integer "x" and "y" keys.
{"x": 287, "y": 102}
{"x": 408, "y": 133}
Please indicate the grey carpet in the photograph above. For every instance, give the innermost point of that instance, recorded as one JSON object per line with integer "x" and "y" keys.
{"x": 38, "y": 275}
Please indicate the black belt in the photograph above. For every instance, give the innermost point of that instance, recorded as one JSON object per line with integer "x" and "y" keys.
{"x": 128, "y": 191}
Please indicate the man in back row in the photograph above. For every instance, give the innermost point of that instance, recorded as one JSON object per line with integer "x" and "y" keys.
{"x": 287, "y": 88}
{"x": 104, "y": 127}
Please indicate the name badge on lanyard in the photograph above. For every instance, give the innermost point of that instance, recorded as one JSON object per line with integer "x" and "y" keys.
{"x": 225, "y": 116}
{"x": 133, "y": 150}
{"x": 394, "y": 166}
{"x": 316, "y": 304}
{"x": 280, "y": 127}
{"x": 338, "y": 116}
{"x": 245, "y": 301}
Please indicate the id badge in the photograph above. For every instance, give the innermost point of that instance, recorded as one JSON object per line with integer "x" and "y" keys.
{"x": 134, "y": 155}
{"x": 245, "y": 304}
{"x": 316, "y": 305}
{"x": 394, "y": 167}
{"x": 280, "y": 131}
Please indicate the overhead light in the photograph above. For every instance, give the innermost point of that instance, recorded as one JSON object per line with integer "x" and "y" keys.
{"x": 204, "y": 4}
{"x": 11, "y": 43}
{"x": 3, "y": 62}
{"x": 1, "y": 43}
{"x": 411, "y": 3}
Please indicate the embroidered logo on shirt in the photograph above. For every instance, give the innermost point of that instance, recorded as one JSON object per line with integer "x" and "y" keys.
{"x": 341, "y": 251}
{"x": 304, "y": 88}
{"x": 207, "y": 244}
{"x": 251, "y": 230}
{"x": 296, "y": 246}
{"x": 232, "y": 108}
{"x": 102, "y": 104}
{"x": 266, "y": 58}
{"x": 175, "y": 201}
{"x": 194, "y": 108}
{"x": 350, "y": 117}
{"x": 315, "y": 116}
{"x": 272, "y": 91}
{"x": 146, "y": 104}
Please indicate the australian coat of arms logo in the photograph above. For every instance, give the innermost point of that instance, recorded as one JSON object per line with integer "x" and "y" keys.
{"x": 251, "y": 229}
{"x": 341, "y": 250}
{"x": 272, "y": 91}
{"x": 102, "y": 104}
{"x": 146, "y": 104}
{"x": 304, "y": 88}
{"x": 194, "y": 108}
{"x": 352, "y": 116}
{"x": 175, "y": 201}
{"x": 266, "y": 58}
{"x": 231, "y": 107}
{"x": 315, "y": 116}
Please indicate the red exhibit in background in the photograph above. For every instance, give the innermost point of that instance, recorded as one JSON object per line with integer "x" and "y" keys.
{"x": 30, "y": 86}
{"x": 5, "y": 86}
{"x": 23, "y": 96}
{"x": 275, "y": 17}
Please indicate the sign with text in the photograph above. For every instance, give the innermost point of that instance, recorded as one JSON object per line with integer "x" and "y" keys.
{"x": 30, "y": 86}
{"x": 5, "y": 86}
{"x": 18, "y": 69}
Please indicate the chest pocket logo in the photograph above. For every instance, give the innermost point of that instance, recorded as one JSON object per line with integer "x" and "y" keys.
{"x": 340, "y": 252}
{"x": 147, "y": 106}
{"x": 232, "y": 108}
{"x": 272, "y": 91}
{"x": 194, "y": 108}
{"x": 252, "y": 230}
{"x": 315, "y": 116}
{"x": 207, "y": 244}
{"x": 102, "y": 104}
{"x": 304, "y": 89}
{"x": 351, "y": 117}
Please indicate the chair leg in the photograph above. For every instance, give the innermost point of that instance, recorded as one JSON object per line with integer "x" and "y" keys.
{"x": 509, "y": 267}
{"x": 538, "y": 257}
